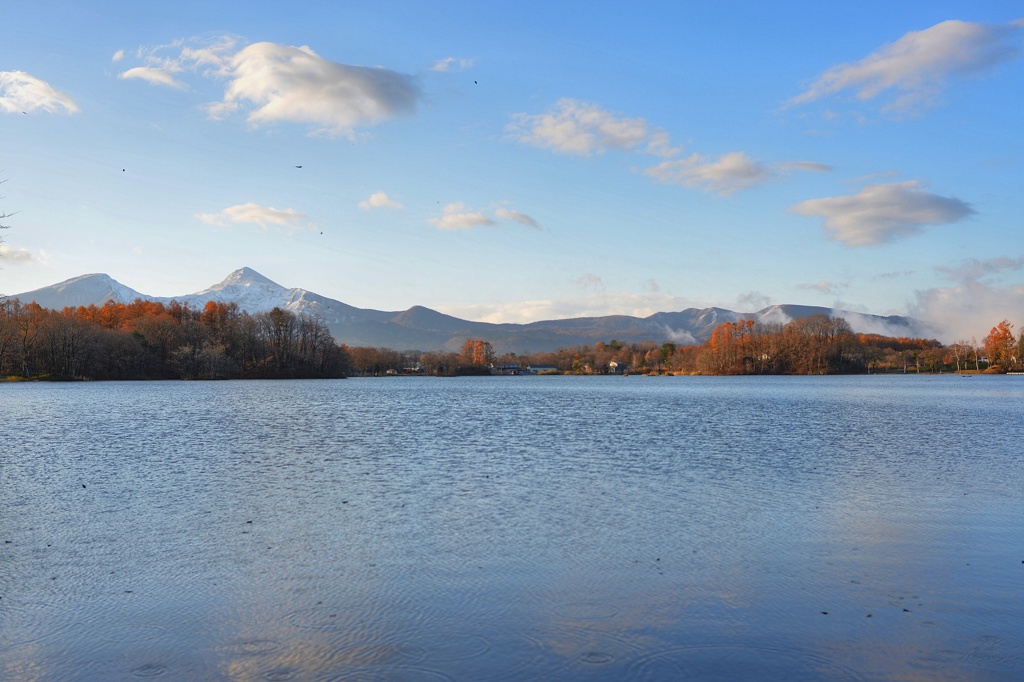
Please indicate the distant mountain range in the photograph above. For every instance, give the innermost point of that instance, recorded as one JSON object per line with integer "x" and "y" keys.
{"x": 420, "y": 328}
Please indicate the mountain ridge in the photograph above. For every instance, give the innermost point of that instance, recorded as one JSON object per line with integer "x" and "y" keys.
{"x": 422, "y": 328}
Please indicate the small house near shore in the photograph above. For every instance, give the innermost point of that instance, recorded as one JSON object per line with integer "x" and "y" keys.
{"x": 616, "y": 367}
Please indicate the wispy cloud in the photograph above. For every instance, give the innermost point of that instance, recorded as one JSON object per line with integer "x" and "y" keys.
{"x": 883, "y": 213}
{"x": 272, "y": 83}
{"x": 658, "y": 144}
{"x": 516, "y": 217}
{"x": 153, "y": 76}
{"x": 822, "y": 286}
{"x": 973, "y": 269}
{"x": 164, "y": 65}
{"x": 752, "y": 301}
{"x": 378, "y": 200}
{"x": 726, "y": 174}
{"x": 208, "y": 57}
{"x": 254, "y": 214}
{"x": 451, "y": 64}
{"x": 590, "y": 281}
{"x": 895, "y": 274}
{"x": 575, "y": 127}
{"x": 917, "y": 67}
{"x": 804, "y": 166}
{"x": 457, "y": 217}
{"x": 23, "y": 93}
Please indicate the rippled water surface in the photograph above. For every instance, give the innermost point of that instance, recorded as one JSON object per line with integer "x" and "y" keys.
{"x": 512, "y": 528}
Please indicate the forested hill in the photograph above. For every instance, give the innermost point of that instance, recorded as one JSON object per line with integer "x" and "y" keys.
{"x": 420, "y": 328}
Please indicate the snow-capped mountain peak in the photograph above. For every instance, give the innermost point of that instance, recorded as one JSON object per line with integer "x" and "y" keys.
{"x": 85, "y": 290}
{"x": 246, "y": 287}
{"x": 245, "y": 277}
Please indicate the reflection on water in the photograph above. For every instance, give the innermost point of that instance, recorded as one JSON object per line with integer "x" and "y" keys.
{"x": 513, "y": 528}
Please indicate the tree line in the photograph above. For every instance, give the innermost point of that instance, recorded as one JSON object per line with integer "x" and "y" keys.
{"x": 813, "y": 345}
{"x": 150, "y": 340}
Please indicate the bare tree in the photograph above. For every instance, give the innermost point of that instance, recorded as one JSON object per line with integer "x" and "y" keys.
{"x": 3, "y": 226}
{"x": 3, "y": 216}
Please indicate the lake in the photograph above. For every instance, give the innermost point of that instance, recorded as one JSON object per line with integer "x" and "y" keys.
{"x": 514, "y": 528}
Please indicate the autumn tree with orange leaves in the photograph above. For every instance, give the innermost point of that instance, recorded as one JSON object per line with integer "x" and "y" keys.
{"x": 150, "y": 340}
{"x": 477, "y": 352}
{"x": 1001, "y": 346}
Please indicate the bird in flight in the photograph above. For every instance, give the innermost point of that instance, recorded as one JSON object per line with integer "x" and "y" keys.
{"x": 298, "y": 166}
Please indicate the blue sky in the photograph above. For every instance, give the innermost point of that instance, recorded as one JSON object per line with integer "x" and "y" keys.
{"x": 528, "y": 160}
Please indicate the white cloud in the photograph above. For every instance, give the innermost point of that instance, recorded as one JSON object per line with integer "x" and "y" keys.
{"x": 725, "y": 175}
{"x": 918, "y": 66}
{"x": 21, "y": 92}
{"x": 582, "y": 128}
{"x": 153, "y": 76}
{"x": 254, "y": 214}
{"x": 378, "y": 200}
{"x": 576, "y": 127}
{"x": 274, "y": 83}
{"x": 118, "y": 56}
{"x": 281, "y": 83}
{"x": 19, "y": 256}
{"x": 457, "y": 217}
{"x": 451, "y": 64}
{"x": 516, "y": 217}
{"x": 883, "y": 213}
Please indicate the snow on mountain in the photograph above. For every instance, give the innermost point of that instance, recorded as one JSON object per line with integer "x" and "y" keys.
{"x": 95, "y": 289}
{"x": 247, "y": 288}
